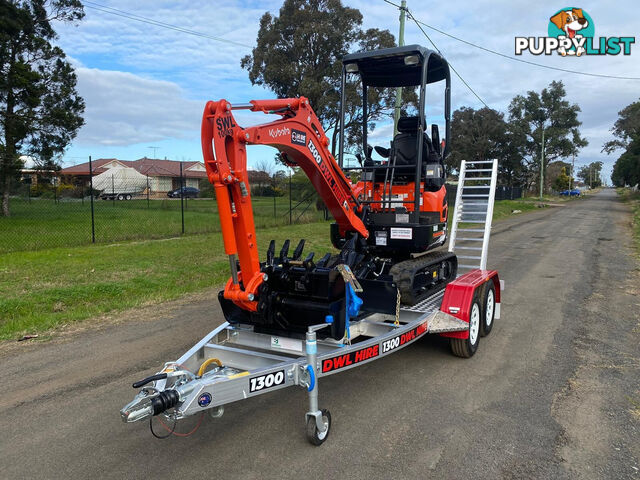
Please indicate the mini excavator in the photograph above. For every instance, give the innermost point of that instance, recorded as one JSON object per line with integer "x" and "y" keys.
{"x": 388, "y": 223}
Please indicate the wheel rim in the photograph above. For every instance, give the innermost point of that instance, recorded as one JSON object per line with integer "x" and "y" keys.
{"x": 490, "y": 304}
{"x": 474, "y": 323}
{"x": 322, "y": 435}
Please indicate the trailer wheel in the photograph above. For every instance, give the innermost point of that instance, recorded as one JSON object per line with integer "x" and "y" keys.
{"x": 466, "y": 347}
{"x": 313, "y": 435}
{"x": 489, "y": 310}
{"x": 120, "y": 197}
{"x": 128, "y": 197}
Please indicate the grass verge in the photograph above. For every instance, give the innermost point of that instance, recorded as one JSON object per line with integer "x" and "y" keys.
{"x": 45, "y": 289}
{"x": 633, "y": 199}
{"x": 42, "y": 290}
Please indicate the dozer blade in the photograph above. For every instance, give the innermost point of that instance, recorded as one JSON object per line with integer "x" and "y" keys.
{"x": 298, "y": 293}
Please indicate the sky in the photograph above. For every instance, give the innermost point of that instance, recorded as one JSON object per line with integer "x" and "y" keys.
{"x": 146, "y": 86}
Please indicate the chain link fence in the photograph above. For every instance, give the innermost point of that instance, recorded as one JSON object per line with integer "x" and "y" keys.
{"x": 118, "y": 205}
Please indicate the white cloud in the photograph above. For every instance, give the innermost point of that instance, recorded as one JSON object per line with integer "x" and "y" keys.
{"x": 137, "y": 108}
{"x": 124, "y": 109}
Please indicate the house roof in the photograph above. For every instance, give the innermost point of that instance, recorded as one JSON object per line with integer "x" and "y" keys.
{"x": 152, "y": 167}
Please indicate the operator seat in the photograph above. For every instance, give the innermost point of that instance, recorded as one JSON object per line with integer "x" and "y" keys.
{"x": 406, "y": 154}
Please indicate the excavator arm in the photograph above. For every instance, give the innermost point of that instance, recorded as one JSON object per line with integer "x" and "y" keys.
{"x": 302, "y": 142}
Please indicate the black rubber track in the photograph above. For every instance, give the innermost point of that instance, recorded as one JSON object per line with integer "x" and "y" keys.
{"x": 404, "y": 274}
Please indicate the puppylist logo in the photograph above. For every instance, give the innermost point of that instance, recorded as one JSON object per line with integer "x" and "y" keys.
{"x": 571, "y": 32}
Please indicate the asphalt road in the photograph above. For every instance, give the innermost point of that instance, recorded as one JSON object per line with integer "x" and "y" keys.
{"x": 553, "y": 392}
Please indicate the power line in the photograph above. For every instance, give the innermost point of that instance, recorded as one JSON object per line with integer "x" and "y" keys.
{"x": 150, "y": 21}
{"x": 438, "y": 50}
{"x": 516, "y": 59}
{"x": 452, "y": 67}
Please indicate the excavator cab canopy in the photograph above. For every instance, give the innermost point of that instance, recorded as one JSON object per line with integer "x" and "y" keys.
{"x": 408, "y": 66}
{"x": 397, "y": 66}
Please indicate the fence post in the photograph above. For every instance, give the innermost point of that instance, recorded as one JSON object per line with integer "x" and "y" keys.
{"x": 113, "y": 191}
{"x": 274, "y": 204}
{"x": 290, "y": 215}
{"x": 182, "y": 197}
{"x": 147, "y": 192}
{"x": 93, "y": 224}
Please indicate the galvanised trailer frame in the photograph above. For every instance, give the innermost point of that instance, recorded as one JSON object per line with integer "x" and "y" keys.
{"x": 248, "y": 364}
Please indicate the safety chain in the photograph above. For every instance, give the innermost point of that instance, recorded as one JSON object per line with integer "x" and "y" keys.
{"x": 397, "y": 322}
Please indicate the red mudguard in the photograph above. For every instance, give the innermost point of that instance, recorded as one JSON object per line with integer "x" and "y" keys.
{"x": 458, "y": 296}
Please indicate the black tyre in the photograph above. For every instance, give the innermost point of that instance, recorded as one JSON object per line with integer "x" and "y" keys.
{"x": 466, "y": 347}
{"x": 120, "y": 197}
{"x": 128, "y": 197}
{"x": 489, "y": 312}
{"x": 313, "y": 435}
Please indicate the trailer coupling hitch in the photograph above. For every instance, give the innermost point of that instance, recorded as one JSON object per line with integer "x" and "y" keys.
{"x": 150, "y": 401}
{"x": 144, "y": 405}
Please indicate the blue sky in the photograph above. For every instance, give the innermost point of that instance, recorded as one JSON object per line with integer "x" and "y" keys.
{"x": 146, "y": 86}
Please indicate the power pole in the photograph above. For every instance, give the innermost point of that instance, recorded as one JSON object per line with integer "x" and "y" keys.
{"x": 396, "y": 113}
{"x": 542, "y": 164}
{"x": 573, "y": 162}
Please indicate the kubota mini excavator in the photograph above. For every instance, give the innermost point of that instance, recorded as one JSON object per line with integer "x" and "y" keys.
{"x": 385, "y": 224}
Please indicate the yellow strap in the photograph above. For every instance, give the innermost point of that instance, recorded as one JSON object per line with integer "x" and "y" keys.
{"x": 206, "y": 363}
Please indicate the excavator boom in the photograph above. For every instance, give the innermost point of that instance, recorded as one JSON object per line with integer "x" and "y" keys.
{"x": 302, "y": 142}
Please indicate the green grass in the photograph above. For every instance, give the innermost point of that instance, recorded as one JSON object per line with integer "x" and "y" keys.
{"x": 45, "y": 289}
{"x": 43, "y": 223}
{"x": 633, "y": 198}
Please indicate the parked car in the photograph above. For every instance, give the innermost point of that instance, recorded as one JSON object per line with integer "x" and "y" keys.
{"x": 570, "y": 193}
{"x": 187, "y": 192}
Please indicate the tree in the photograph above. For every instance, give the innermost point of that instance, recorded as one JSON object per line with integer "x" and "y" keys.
{"x": 299, "y": 53}
{"x": 476, "y": 135}
{"x": 550, "y": 112}
{"x": 626, "y": 128}
{"x": 40, "y": 109}
{"x": 590, "y": 174}
{"x": 562, "y": 181}
{"x": 626, "y": 170}
{"x": 483, "y": 135}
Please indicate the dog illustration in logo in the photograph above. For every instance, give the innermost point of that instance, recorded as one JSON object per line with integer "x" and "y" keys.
{"x": 570, "y": 22}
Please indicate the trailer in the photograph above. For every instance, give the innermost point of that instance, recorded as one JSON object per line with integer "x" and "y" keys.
{"x": 120, "y": 183}
{"x": 247, "y": 364}
{"x": 235, "y": 362}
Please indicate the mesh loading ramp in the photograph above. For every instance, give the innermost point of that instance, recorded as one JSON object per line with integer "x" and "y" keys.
{"x": 472, "y": 214}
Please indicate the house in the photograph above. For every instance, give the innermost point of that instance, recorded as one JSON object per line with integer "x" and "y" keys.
{"x": 163, "y": 175}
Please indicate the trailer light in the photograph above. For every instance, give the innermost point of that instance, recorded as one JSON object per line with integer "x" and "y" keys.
{"x": 454, "y": 309}
{"x": 411, "y": 60}
{"x": 351, "y": 67}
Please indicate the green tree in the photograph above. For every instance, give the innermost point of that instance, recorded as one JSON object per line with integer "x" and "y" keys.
{"x": 626, "y": 128}
{"x": 299, "y": 53}
{"x": 548, "y": 111}
{"x": 591, "y": 174}
{"x": 476, "y": 135}
{"x": 626, "y": 170}
{"x": 483, "y": 135}
{"x": 562, "y": 181}
{"x": 40, "y": 109}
